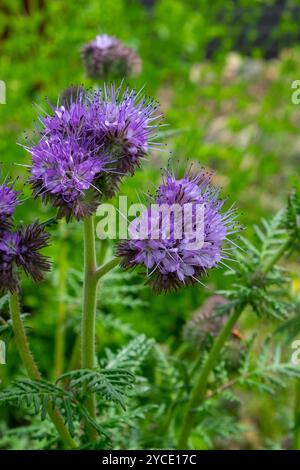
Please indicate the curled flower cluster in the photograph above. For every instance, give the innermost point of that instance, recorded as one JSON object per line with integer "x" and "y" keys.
{"x": 87, "y": 145}
{"x": 107, "y": 57}
{"x": 20, "y": 248}
{"x": 205, "y": 325}
{"x": 170, "y": 261}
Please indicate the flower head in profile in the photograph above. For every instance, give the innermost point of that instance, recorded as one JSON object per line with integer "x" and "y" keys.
{"x": 86, "y": 145}
{"x": 9, "y": 199}
{"x": 107, "y": 57}
{"x": 20, "y": 249}
{"x": 181, "y": 235}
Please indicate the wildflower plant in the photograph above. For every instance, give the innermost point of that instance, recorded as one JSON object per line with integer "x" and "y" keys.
{"x": 81, "y": 151}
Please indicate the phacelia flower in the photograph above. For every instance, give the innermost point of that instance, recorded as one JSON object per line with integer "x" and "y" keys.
{"x": 9, "y": 199}
{"x": 107, "y": 57}
{"x": 66, "y": 173}
{"x": 179, "y": 250}
{"x": 20, "y": 249}
{"x": 126, "y": 125}
{"x": 86, "y": 145}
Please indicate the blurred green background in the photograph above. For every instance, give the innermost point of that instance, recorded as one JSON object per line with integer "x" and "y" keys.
{"x": 222, "y": 72}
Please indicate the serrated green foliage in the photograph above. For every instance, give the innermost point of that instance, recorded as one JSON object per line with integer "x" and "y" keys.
{"x": 112, "y": 385}
{"x": 264, "y": 371}
{"x": 131, "y": 356}
{"x": 216, "y": 425}
{"x": 265, "y": 292}
{"x": 37, "y": 395}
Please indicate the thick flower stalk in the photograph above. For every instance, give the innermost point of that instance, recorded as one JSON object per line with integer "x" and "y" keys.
{"x": 169, "y": 258}
{"x": 107, "y": 57}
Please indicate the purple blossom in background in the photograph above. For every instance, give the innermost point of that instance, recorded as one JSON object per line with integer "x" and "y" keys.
{"x": 169, "y": 261}
{"x": 21, "y": 249}
{"x": 8, "y": 202}
{"x": 87, "y": 145}
{"x": 107, "y": 57}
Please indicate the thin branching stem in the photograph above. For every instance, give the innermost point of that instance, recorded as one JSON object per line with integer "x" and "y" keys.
{"x": 106, "y": 268}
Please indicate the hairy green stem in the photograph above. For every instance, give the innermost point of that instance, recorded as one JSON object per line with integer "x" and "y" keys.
{"x": 60, "y": 337}
{"x": 100, "y": 272}
{"x": 32, "y": 369}
{"x": 277, "y": 255}
{"x": 88, "y": 350}
{"x": 92, "y": 274}
{"x": 198, "y": 393}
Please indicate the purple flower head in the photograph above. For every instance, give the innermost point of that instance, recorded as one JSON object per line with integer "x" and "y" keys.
{"x": 67, "y": 161}
{"x": 86, "y": 145}
{"x": 107, "y": 57}
{"x": 8, "y": 202}
{"x": 67, "y": 173}
{"x": 181, "y": 235}
{"x": 21, "y": 249}
{"x": 126, "y": 127}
